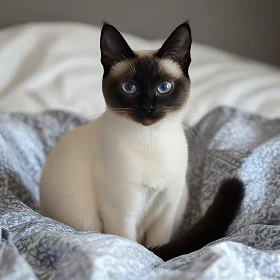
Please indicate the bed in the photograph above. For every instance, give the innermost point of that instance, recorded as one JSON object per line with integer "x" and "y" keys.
{"x": 51, "y": 83}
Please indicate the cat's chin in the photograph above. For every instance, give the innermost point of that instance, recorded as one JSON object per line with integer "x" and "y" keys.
{"x": 148, "y": 122}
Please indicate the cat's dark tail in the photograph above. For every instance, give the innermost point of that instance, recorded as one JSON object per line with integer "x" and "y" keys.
{"x": 210, "y": 227}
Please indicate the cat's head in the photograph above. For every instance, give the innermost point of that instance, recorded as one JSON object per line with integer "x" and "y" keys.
{"x": 146, "y": 86}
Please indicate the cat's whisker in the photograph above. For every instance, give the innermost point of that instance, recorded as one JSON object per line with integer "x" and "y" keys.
{"x": 124, "y": 113}
{"x": 122, "y": 110}
{"x": 173, "y": 117}
{"x": 194, "y": 128}
{"x": 115, "y": 108}
{"x": 107, "y": 130}
{"x": 188, "y": 130}
{"x": 116, "y": 131}
{"x": 125, "y": 110}
{"x": 168, "y": 115}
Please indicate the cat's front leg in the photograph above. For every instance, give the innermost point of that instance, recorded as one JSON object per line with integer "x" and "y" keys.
{"x": 120, "y": 215}
{"x": 120, "y": 225}
{"x": 160, "y": 231}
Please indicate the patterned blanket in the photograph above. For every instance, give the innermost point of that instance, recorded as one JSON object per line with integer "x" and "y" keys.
{"x": 224, "y": 143}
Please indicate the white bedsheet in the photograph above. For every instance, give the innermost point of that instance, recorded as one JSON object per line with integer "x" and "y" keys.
{"x": 57, "y": 66}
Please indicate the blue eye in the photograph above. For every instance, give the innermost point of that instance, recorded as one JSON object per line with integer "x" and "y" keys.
{"x": 128, "y": 87}
{"x": 164, "y": 87}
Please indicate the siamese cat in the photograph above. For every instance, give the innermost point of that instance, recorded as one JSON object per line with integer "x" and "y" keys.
{"x": 125, "y": 173}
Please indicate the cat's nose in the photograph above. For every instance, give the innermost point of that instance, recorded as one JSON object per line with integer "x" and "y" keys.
{"x": 148, "y": 109}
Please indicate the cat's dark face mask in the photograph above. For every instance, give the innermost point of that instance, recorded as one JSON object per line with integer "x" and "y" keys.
{"x": 146, "y": 86}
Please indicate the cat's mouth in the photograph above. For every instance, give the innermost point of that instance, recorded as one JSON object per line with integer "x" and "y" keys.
{"x": 148, "y": 122}
{"x": 149, "y": 119}
{"x": 143, "y": 118}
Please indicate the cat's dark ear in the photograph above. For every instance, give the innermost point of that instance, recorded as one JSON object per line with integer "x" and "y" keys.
{"x": 178, "y": 46}
{"x": 113, "y": 47}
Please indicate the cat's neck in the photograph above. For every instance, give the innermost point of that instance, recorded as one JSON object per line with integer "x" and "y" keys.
{"x": 112, "y": 120}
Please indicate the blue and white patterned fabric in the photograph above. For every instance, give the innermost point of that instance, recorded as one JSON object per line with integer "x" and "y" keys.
{"x": 226, "y": 142}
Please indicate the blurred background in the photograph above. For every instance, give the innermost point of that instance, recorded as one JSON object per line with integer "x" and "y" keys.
{"x": 50, "y": 55}
{"x": 250, "y": 28}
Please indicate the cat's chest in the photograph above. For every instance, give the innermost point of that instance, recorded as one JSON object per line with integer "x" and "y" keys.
{"x": 149, "y": 160}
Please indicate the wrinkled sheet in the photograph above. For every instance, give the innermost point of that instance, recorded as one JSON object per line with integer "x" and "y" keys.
{"x": 225, "y": 142}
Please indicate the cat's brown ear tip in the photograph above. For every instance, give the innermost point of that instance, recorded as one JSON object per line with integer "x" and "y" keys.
{"x": 105, "y": 23}
{"x": 107, "y": 29}
{"x": 186, "y": 23}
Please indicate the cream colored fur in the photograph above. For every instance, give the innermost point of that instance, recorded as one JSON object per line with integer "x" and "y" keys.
{"x": 119, "y": 177}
